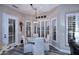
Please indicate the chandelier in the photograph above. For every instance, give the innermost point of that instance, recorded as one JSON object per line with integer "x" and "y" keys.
{"x": 36, "y": 16}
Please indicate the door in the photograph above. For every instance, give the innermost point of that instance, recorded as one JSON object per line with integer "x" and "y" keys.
{"x": 10, "y": 29}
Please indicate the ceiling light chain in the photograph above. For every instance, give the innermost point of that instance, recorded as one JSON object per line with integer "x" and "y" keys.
{"x": 34, "y": 9}
{"x": 36, "y": 16}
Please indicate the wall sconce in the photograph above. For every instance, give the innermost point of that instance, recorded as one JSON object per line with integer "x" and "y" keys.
{"x": 21, "y": 24}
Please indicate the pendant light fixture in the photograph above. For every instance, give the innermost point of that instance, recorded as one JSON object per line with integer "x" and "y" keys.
{"x": 35, "y": 9}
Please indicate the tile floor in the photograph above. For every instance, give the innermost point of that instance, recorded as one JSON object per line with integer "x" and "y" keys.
{"x": 19, "y": 51}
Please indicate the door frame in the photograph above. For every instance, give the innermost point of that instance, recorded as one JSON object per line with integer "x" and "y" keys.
{"x": 5, "y": 27}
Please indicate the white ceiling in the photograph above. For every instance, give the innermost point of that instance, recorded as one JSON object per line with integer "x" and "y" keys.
{"x": 27, "y": 9}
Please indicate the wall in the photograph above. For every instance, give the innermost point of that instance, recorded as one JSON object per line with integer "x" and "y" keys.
{"x": 0, "y": 30}
{"x": 31, "y": 19}
{"x": 0, "y": 25}
{"x": 60, "y": 12}
{"x": 55, "y": 13}
{"x": 7, "y": 10}
{"x": 65, "y": 9}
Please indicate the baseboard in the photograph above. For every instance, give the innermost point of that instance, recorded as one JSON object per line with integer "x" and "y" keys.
{"x": 62, "y": 50}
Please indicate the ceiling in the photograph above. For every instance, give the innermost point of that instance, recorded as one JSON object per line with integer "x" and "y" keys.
{"x": 27, "y": 9}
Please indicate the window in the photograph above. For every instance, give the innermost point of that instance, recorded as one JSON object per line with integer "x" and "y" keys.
{"x": 42, "y": 29}
{"x": 35, "y": 25}
{"x": 54, "y": 29}
{"x": 28, "y": 29}
{"x": 38, "y": 29}
{"x": 46, "y": 28}
{"x": 54, "y": 33}
{"x": 11, "y": 31}
{"x": 72, "y": 27}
